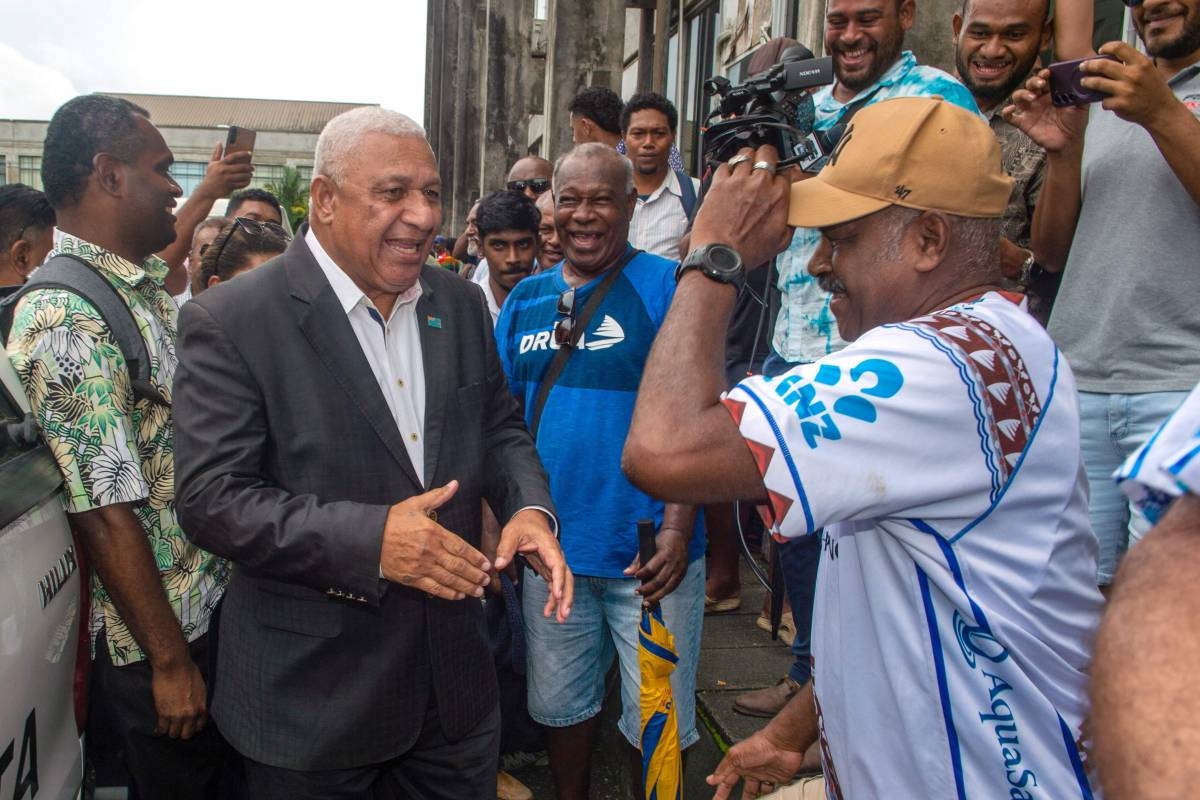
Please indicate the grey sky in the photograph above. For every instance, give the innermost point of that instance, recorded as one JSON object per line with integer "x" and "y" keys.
{"x": 337, "y": 50}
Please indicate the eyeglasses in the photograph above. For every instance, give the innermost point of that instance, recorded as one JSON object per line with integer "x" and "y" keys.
{"x": 538, "y": 185}
{"x": 253, "y": 227}
{"x": 565, "y": 327}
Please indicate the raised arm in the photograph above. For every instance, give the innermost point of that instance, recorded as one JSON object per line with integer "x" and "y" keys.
{"x": 683, "y": 446}
{"x": 224, "y": 175}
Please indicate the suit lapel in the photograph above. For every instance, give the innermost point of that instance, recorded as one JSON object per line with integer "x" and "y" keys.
{"x": 435, "y": 357}
{"x": 324, "y": 324}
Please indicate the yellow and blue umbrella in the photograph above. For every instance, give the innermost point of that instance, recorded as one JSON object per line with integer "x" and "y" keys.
{"x": 662, "y": 762}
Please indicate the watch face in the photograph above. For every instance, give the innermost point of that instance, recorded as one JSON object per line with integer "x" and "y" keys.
{"x": 723, "y": 259}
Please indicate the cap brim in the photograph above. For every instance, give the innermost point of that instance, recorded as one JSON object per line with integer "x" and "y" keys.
{"x": 817, "y": 204}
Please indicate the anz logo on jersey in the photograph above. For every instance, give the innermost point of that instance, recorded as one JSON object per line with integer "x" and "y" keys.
{"x": 608, "y": 333}
{"x": 872, "y": 378}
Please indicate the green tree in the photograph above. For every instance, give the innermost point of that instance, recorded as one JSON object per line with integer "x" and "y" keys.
{"x": 292, "y": 191}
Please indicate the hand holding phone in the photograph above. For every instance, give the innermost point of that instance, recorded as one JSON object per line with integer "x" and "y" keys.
{"x": 1065, "y": 86}
{"x": 239, "y": 140}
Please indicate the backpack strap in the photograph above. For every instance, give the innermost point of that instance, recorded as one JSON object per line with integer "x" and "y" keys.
{"x": 73, "y": 274}
{"x": 687, "y": 194}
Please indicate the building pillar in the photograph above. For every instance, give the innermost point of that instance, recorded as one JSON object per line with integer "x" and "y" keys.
{"x": 586, "y": 44}
{"x": 508, "y": 71}
{"x": 931, "y": 37}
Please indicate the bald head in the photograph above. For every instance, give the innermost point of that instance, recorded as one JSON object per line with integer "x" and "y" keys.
{"x": 531, "y": 176}
{"x": 600, "y": 161}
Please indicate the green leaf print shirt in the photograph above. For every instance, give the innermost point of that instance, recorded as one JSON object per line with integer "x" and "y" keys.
{"x": 110, "y": 448}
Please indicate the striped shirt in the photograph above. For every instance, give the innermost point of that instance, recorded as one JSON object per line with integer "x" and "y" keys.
{"x": 660, "y": 220}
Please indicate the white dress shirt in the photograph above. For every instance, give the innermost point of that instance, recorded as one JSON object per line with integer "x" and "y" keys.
{"x": 392, "y": 348}
{"x": 659, "y": 221}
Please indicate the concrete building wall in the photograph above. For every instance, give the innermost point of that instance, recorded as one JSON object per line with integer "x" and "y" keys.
{"x": 272, "y": 148}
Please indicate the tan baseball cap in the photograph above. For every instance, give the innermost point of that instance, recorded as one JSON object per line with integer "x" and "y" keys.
{"x": 917, "y": 152}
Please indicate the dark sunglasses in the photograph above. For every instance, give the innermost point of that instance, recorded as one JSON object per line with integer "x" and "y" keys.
{"x": 252, "y": 227}
{"x": 1132, "y": 3}
{"x": 565, "y": 327}
{"x": 538, "y": 185}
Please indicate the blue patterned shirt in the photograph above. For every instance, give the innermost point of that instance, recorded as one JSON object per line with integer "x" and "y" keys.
{"x": 805, "y": 329}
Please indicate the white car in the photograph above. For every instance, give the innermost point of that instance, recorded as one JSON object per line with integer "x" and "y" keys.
{"x": 41, "y": 752}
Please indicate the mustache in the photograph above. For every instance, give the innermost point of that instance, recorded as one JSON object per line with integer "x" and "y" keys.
{"x": 830, "y": 284}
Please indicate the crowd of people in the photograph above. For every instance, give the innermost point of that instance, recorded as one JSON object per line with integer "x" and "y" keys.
{"x": 361, "y": 514}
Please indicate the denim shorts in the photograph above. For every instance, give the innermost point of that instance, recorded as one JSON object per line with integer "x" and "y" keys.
{"x": 1112, "y": 427}
{"x": 566, "y": 663}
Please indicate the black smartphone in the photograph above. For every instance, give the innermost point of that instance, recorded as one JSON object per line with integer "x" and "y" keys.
{"x": 1065, "y": 87}
{"x": 239, "y": 139}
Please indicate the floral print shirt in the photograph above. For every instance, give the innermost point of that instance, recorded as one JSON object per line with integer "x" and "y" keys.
{"x": 111, "y": 448}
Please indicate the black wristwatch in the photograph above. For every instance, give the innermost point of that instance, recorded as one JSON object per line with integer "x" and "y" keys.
{"x": 718, "y": 262}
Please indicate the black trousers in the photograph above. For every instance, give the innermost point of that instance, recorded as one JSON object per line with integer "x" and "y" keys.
{"x": 433, "y": 769}
{"x": 122, "y": 706}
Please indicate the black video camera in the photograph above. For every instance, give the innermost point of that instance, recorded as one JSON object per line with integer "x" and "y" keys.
{"x": 772, "y": 108}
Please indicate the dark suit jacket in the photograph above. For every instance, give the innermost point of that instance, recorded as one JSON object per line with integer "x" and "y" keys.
{"x": 287, "y": 459}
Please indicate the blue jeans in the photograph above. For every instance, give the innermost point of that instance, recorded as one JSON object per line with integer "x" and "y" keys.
{"x": 1112, "y": 426}
{"x": 566, "y": 663}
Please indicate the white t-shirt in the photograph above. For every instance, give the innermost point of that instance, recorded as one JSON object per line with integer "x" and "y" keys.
{"x": 956, "y": 598}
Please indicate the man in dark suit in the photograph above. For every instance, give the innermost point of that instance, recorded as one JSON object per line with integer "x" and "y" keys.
{"x": 342, "y": 411}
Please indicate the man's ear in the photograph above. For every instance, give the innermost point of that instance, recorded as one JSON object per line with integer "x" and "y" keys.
{"x": 632, "y": 199}
{"x": 322, "y": 199}
{"x": 19, "y": 255}
{"x": 908, "y": 14}
{"x": 109, "y": 174}
{"x": 930, "y": 234}
{"x": 956, "y": 26}
{"x": 1047, "y": 33}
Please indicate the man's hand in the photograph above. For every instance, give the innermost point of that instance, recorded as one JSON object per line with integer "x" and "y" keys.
{"x": 746, "y": 208}
{"x": 225, "y": 174}
{"x": 1012, "y": 259}
{"x": 1137, "y": 91}
{"x": 1055, "y": 129}
{"x": 763, "y": 762}
{"x": 179, "y": 699}
{"x": 664, "y": 572}
{"x": 419, "y": 553}
{"x": 529, "y": 534}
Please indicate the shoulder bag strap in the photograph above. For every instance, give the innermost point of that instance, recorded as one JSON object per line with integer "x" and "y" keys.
{"x": 564, "y": 352}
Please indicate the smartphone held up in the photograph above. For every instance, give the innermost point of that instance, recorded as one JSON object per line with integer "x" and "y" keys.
{"x": 1066, "y": 88}
{"x": 239, "y": 140}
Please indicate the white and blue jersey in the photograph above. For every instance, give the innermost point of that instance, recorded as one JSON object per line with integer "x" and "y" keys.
{"x": 956, "y": 598}
{"x": 1168, "y": 464}
{"x": 587, "y": 413}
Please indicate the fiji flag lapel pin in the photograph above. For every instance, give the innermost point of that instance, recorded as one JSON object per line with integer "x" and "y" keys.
{"x": 433, "y": 322}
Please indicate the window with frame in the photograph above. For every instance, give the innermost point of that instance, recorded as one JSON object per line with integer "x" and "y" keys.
{"x": 29, "y": 169}
{"x": 3, "y": 170}
{"x": 188, "y": 175}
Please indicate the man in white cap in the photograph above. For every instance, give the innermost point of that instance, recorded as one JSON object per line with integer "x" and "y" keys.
{"x": 940, "y": 451}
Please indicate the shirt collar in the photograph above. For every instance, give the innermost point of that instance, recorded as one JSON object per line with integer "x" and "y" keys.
{"x": 344, "y": 287}
{"x": 894, "y": 74}
{"x": 1185, "y": 74}
{"x": 108, "y": 262}
{"x": 669, "y": 184}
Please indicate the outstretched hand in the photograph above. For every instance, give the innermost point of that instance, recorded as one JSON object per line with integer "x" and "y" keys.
{"x": 764, "y": 764}
{"x": 419, "y": 553}
{"x": 529, "y": 534}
